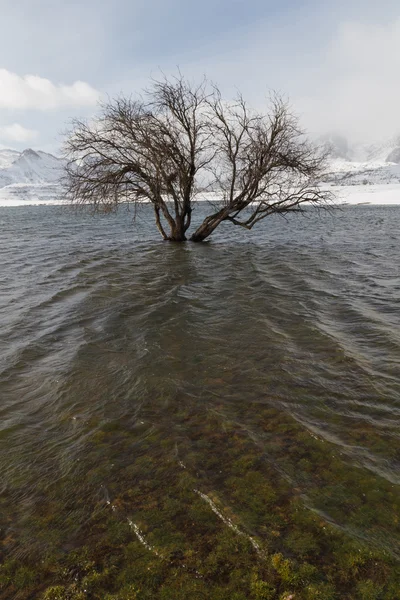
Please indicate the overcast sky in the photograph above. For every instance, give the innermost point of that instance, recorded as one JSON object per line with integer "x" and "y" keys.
{"x": 337, "y": 61}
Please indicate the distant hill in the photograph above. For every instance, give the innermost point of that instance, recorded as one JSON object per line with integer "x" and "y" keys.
{"x": 362, "y": 164}
{"x": 31, "y": 175}
{"x": 29, "y": 167}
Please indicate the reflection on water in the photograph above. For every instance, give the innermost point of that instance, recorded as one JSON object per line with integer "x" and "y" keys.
{"x": 211, "y": 419}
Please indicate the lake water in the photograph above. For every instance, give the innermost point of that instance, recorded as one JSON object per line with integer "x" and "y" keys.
{"x": 199, "y": 421}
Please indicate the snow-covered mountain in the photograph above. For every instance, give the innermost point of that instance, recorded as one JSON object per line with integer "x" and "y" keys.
{"x": 31, "y": 175}
{"x": 362, "y": 164}
{"x": 29, "y": 167}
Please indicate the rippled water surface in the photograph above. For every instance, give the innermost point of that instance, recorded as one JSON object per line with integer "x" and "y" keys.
{"x": 156, "y": 399}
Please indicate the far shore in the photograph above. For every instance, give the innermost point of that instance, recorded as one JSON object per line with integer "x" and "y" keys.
{"x": 377, "y": 195}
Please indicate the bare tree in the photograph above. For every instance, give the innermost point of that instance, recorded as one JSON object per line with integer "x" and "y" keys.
{"x": 263, "y": 164}
{"x": 179, "y": 141}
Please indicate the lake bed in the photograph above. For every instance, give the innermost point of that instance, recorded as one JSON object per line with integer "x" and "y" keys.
{"x": 216, "y": 420}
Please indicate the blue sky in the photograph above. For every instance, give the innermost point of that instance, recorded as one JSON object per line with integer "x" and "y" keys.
{"x": 338, "y": 62}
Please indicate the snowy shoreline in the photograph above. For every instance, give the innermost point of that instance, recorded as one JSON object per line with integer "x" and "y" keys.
{"x": 376, "y": 195}
{"x": 373, "y": 195}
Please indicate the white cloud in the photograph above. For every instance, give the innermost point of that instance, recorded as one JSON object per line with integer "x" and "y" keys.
{"x": 33, "y": 92}
{"x": 17, "y": 133}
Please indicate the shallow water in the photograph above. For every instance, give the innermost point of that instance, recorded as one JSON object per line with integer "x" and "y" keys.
{"x": 132, "y": 369}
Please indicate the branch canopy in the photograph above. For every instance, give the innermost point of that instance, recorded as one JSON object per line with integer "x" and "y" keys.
{"x": 181, "y": 141}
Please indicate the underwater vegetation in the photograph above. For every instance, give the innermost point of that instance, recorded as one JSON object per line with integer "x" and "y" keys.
{"x": 202, "y": 509}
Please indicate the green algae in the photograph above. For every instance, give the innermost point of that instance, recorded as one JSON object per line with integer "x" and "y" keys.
{"x": 208, "y": 512}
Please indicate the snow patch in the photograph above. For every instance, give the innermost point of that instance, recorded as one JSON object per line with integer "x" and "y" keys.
{"x": 377, "y": 195}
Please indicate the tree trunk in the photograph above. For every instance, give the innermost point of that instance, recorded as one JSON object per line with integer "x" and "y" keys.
{"x": 158, "y": 222}
{"x": 208, "y": 226}
{"x": 177, "y": 226}
{"x": 178, "y": 231}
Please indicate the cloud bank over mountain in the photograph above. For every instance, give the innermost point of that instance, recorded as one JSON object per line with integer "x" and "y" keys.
{"x": 357, "y": 90}
{"x": 17, "y": 133}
